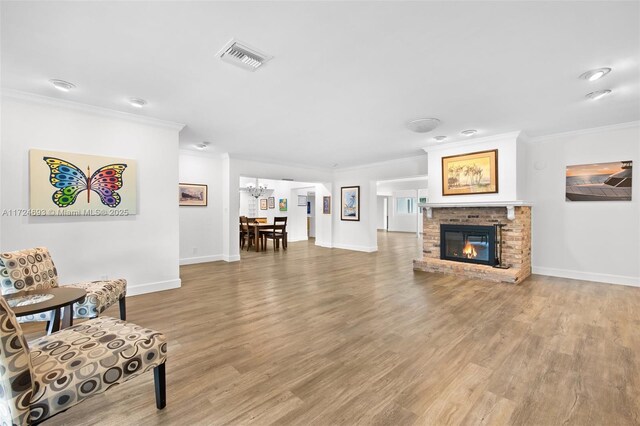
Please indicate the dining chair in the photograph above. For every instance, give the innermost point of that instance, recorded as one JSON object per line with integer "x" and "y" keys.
{"x": 248, "y": 233}
{"x": 53, "y": 373}
{"x": 33, "y": 269}
{"x": 241, "y": 233}
{"x": 277, "y": 233}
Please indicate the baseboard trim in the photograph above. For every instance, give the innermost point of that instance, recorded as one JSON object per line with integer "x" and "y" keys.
{"x": 323, "y": 244}
{"x": 588, "y": 276}
{"x": 201, "y": 259}
{"x": 294, "y": 240}
{"x": 366, "y": 249}
{"x": 135, "y": 290}
{"x": 234, "y": 258}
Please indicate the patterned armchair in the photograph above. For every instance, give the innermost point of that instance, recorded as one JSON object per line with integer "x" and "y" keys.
{"x": 33, "y": 269}
{"x": 58, "y": 371}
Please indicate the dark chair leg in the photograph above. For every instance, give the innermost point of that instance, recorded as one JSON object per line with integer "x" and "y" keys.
{"x": 123, "y": 308}
{"x": 161, "y": 386}
{"x": 54, "y": 323}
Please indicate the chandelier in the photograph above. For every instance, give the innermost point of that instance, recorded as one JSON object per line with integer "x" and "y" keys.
{"x": 256, "y": 191}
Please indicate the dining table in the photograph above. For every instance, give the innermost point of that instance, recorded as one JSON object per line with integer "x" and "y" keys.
{"x": 257, "y": 227}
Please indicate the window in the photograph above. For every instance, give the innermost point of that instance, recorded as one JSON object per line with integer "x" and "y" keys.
{"x": 405, "y": 205}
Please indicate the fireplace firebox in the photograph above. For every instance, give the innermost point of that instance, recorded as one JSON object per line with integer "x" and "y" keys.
{"x": 468, "y": 243}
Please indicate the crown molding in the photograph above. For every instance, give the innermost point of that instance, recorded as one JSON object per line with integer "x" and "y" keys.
{"x": 105, "y": 112}
{"x": 459, "y": 143}
{"x": 619, "y": 126}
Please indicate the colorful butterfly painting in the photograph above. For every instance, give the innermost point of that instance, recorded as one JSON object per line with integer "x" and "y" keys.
{"x": 71, "y": 181}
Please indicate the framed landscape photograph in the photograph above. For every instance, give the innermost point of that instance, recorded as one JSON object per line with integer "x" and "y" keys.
{"x": 473, "y": 173}
{"x": 282, "y": 204}
{"x": 272, "y": 202}
{"x": 326, "y": 205}
{"x": 192, "y": 194}
{"x": 263, "y": 204}
{"x": 599, "y": 182}
{"x": 350, "y": 203}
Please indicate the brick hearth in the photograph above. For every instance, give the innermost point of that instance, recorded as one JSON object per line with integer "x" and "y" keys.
{"x": 516, "y": 236}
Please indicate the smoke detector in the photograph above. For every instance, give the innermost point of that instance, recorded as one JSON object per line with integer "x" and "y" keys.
{"x": 242, "y": 55}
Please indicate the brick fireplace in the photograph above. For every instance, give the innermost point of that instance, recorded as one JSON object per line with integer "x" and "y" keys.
{"x": 514, "y": 236}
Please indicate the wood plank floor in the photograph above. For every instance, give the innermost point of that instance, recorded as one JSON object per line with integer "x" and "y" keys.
{"x": 333, "y": 337}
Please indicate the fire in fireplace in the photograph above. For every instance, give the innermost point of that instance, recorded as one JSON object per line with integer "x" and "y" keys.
{"x": 468, "y": 243}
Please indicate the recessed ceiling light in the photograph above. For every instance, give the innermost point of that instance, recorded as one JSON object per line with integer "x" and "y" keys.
{"x": 62, "y": 85}
{"x": 137, "y": 102}
{"x": 597, "y": 94}
{"x": 202, "y": 146}
{"x": 423, "y": 125}
{"x": 439, "y": 138}
{"x": 469, "y": 132}
{"x": 596, "y": 74}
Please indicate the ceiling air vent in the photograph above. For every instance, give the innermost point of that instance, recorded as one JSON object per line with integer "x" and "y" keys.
{"x": 237, "y": 53}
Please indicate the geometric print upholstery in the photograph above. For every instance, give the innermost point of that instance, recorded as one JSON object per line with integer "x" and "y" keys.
{"x": 100, "y": 295}
{"x": 86, "y": 359}
{"x": 33, "y": 269}
{"x": 15, "y": 370}
{"x": 30, "y": 269}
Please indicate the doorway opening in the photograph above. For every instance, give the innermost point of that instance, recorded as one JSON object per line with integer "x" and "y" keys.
{"x": 398, "y": 202}
{"x": 271, "y": 205}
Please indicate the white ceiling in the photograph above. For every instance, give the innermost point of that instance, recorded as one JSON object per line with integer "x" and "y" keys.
{"x": 345, "y": 77}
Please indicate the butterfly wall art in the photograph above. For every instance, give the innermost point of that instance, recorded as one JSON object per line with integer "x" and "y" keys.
{"x": 79, "y": 184}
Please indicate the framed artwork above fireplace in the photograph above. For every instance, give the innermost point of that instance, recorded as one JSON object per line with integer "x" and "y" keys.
{"x": 473, "y": 173}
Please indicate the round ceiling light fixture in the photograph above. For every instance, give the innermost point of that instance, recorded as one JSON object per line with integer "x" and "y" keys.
{"x": 62, "y": 85}
{"x": 440, "y": 138}
{"x": 137, "y": 102}
{"x": 597, "y": 94}
{"x": 596, "y": 74}
{"x": 469, "y": 132}
{"x": 202, "y": 145}
{"x": 423, "y": 125}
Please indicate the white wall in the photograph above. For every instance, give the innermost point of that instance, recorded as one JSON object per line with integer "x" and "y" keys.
{"x": 311, "y": 198}
{"x": 201, "y": 227}
{"x": 508, "y": 158}
{"x": 389, "y": 186}
{"x": 142, "y": 248}
{"x": 597, "y": 241}
{"x": 276, "y": 188}
{"x": 362, "y": 235}
{"x": 297, "y": 222}
{"x": 323, "y": 221}
{"x": 403, "y": 222}
{"x": 381, "y": 213}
